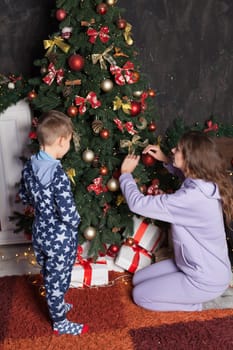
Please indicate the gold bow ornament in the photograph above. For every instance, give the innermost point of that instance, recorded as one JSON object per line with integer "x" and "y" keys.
{"x": 102, "y": 57}
{"x": 133, "y": 143}
{"x": 118, "y": 103}
{"x": 56, "y": 41}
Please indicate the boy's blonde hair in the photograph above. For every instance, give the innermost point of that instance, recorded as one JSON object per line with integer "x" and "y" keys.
{"x": 53, "y": 124}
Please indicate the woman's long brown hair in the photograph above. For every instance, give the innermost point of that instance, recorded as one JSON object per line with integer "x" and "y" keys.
{"x": 204, "y": 161}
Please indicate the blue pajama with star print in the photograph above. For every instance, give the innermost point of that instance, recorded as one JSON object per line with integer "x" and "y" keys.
{"x": 46, "y": 187}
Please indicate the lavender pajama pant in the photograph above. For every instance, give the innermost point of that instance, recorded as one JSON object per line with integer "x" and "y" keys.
{"x": 163, "y": 287}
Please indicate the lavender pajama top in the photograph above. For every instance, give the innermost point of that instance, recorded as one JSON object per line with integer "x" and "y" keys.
{"x": 201, "y": 267}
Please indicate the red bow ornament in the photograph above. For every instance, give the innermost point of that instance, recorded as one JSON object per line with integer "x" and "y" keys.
{"x": 97, "y": 186}
{"x": 91, "y": 98}
{"x": 154, "y": 189}
{"x": 123, "y": 75}
{"x": 52, "y": 74}
{"x": 211, "y": 126}
{"x": 128, "y": 126}
{"x": 102, "y": 34}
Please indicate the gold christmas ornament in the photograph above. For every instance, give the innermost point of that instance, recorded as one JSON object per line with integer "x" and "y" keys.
{"x": 97, "y": 126}
{"x": 113, "y": 185}
{"x": 111, "y": 2}
{"x": 106, "y": 85}
{"x": 76, "y": 140}
{"x": 89, "y": 233}
{"x": 137, "y": 93}
{"x": 67, "y": 91}
{"x": 143, "y": 124}
{"x": 88, "y": 156}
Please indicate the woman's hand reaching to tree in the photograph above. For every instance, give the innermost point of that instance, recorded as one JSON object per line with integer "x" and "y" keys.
{"x": 155, "y": 152}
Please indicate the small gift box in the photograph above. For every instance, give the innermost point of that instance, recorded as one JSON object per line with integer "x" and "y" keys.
{"x": 133, "y": 258}
{"x": 85, "y": 272}
{"x": 148, "y": 236}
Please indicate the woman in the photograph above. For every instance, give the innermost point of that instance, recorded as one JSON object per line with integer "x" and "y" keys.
{"x": 201, "y": 269}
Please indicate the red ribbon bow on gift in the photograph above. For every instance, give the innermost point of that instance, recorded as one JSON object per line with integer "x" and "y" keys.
{"x": 211, "y": 126}
{"x": 123, "y": 75}
{"x": 91, "y": 98}
{"x": 138, "y": 250}
{"x": 97, "y": 186}
{"x": 128, "y": 126}
{"x": 86, "y": 264}
{"x": 52, "y": 74}
{"x": 103, "y": 34}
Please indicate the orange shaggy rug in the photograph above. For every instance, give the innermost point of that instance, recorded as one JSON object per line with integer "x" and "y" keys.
{"x": 115, "y": 322}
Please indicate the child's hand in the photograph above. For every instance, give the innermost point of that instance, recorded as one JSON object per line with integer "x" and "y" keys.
{"x": 155, "y": 152}
{"x": 129, "y": 163}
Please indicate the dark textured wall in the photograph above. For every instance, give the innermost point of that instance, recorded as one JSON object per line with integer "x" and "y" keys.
{"x": 185, "y": 48}
{"x": 187, "y": 53}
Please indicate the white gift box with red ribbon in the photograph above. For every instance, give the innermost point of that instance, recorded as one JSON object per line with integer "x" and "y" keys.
{"x": 133, "y": 258}
{"x": 87, "y": 272}
{"x": 148, "y": 236}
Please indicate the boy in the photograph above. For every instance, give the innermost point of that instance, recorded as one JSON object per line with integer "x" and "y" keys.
{"x": 46, "y": 187}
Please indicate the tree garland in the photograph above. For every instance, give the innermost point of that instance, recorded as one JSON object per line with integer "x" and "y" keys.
{"x": 12, "y": 89}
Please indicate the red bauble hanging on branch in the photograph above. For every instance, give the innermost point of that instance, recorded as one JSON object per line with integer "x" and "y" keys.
{"x": 121, "y": 23}
{"x": 72, "y": 111}
{"x": 104, "y": 134}
{"x": 76, "y": 62}
{"x": 136, "y": 108}
{"x": 31, "y": 95}
{"x": 152, "y": 126}
{"x": 61, "y": 14}
{"x": 148, "y": 160}
{"x": 102, "y": 8}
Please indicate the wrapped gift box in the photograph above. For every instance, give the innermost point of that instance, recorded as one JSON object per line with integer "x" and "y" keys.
{"x": 133, "y": 258}
{"x": 148, "y": 236}
{"x": 87, "y": 273}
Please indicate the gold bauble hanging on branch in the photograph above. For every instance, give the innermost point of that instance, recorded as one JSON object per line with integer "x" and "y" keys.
{"x": 97, "y": 126}
{"x": 113, "y": 185}
{"x": 111, "y": 2}
{"x": 106, "y": 85}
{"x": 89, "y": 233}
{"x": 88, "y": 156}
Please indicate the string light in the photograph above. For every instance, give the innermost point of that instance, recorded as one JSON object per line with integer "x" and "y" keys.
{"x": 27, "y": 255}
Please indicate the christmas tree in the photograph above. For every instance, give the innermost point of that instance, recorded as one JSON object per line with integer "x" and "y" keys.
{"x": 91, "y": 72}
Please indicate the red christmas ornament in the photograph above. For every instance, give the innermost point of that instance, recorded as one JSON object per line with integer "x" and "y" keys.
{"x": 148, "y": 160}
{"x": 130, "y": 241}
{"x": 76, "y": 62}
{"x": 121, "y": 23}
{"x": 116, "y": 174}
{"x": 114, "y": 248}
{"x": 61, "y": 14}
{"x": 72, "y": 111}
{"x": 152, "y": 126}
{"x": 136, "y": 108}
{"x": 151, "y": 93}
{"x": 104, "y": 134}
{"x": 135, "y": 77}
{"x": 103, "y": 170}
{"x": 31, "y": 95}
{"x": 102, "y": 8}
